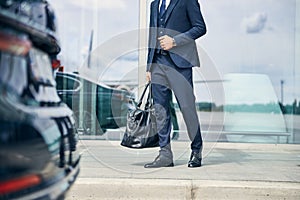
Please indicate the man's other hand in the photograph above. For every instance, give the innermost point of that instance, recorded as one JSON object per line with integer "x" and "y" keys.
{"x": 148, "y": 76}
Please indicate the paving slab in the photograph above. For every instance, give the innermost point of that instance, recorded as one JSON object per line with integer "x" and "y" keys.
{"x": 229, "y": 171}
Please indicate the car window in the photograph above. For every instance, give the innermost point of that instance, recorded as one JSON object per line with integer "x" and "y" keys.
{"x": 67, "y": 83}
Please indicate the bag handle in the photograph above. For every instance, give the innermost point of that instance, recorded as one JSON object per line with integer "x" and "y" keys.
{"x": 149, "y": 102}
{"x": 143, "y": 94}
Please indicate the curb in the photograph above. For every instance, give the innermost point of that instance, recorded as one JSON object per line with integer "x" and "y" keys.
{"x": 108, "y": 188}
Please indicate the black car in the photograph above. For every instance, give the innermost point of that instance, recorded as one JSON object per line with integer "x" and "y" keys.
{"x": 38, "y": 138}
{"x": 97, "y": 107}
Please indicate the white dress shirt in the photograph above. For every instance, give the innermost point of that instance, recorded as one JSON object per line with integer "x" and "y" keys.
{"x": 167, "y": 3}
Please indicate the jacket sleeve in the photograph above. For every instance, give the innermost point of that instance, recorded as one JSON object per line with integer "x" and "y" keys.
{"x": 198, "y": 25}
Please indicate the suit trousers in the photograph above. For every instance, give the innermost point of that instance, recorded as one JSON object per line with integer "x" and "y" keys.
{"x": 167, "y": 77}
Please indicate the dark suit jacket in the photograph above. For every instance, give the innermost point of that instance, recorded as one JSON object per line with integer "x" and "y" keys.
{"x": 183, "y": 22}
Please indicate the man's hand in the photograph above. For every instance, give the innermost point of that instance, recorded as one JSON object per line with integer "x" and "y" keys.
{"x": 166, "y": 42}
{"x": 148, "y": 76}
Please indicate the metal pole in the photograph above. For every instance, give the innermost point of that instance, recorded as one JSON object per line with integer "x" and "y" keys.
{"x": 281, "y": 84}
{"x": 296, "y": 71}
{"x": 142, "y": 44}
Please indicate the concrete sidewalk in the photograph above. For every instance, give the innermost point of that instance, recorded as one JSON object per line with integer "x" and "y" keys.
{"x": 229, "y": 171}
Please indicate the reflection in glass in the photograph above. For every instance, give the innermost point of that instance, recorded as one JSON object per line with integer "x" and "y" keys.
{"x": 251, "y": 105}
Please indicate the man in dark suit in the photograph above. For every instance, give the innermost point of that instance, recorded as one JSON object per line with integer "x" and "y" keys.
{"x": 174, "y": 27}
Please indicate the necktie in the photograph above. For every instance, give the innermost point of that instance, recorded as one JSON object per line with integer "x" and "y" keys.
{"x": 162, "y": 7}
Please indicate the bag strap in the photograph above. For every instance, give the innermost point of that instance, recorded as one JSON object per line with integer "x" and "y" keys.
{"x": 149, "y": 102}
{"x": 143, "y": 94}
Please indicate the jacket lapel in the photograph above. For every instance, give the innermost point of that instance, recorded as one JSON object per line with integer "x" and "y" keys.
{"x": 155, "y": 11}
{"x": 170, "y": 9}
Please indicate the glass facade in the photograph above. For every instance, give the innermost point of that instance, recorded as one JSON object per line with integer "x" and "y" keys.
{"x": 253, "y": 45}
{"x": 247, "y": 88}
